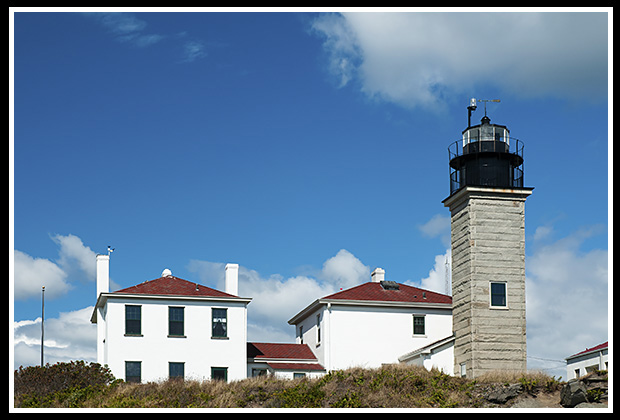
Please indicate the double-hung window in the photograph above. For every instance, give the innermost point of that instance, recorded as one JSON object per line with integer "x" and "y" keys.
{"x": 219, "y": 373}
{"x": 133, "y": 320}
{"x": 498, "y": 295}
{"x": 176, "y": 321}
{"x": 133, "y": 372}
{"x": 219, "y": 318}
{"x": 176, "y": 370}
{"x": 419, "y": 325}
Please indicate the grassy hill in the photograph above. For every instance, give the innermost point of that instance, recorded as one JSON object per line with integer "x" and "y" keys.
{"x": 392, "y": 386}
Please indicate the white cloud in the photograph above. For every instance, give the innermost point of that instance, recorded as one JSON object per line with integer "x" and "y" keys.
{"x": 126, "y": 27}
{"x": 567, "y": 299}
{"x": 129, "y": 29}
{"x": 71, "y": 336}
{"x": 345, "y": 270}
{"x": 566, "y": 292}
{"x": 75, "y": 260}
{"x": 421, "y": 59}
{"x": 193, "y": 50}
{"x": 74, "y": 254}
{"x": 437, "y": 226}
{"x": 33, "y": 273}
{"x": 436, "y": 280}
{"x": 120, "y": 23}
{"x": 275, "y": 299}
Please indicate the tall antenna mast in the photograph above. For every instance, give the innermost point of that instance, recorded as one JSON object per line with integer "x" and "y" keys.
{"x": 42, "y": 321}
{"x": 447, "y": 275}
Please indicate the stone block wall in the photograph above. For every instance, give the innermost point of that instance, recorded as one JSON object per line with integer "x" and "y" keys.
{"x": 488, "y": 245}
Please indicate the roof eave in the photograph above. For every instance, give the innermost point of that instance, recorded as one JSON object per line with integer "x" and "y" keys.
{"x": 586, "y": 353}
{"x": 177, "y": 297}
{"x": 353, "y": 302}
{"x": 103, "y": 297}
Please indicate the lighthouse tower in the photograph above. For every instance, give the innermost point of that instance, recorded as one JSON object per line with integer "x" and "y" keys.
{"x": 487, "y": 206}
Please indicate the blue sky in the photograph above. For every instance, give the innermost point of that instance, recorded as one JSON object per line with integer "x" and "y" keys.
{"x": 309, "y": 148}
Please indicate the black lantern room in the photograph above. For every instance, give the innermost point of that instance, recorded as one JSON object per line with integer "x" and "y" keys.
{"x": 486, "y": 156}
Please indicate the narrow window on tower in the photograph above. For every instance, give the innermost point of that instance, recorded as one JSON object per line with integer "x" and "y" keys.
{"x": 498, "y": 295}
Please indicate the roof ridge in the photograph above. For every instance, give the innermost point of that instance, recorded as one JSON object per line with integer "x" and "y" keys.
{"x": 375, "y": 291}
{"x": 173, "y": 286}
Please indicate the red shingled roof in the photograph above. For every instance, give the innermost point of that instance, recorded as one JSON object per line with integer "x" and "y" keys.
{"x": 374, "y": 291}
{"x": 295, "y": 366}
{"x": 595, "y": 348}
{"x": 280, "y": 351}
{"x": 173, "y": 286}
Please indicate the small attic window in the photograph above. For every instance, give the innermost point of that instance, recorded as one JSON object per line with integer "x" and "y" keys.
{"x": 389, "y": 285}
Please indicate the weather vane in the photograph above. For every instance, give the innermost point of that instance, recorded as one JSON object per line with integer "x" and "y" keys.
{"x": 472, "y": 107}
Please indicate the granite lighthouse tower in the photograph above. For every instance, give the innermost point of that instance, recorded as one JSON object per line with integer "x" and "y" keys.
{"x": 487, "y": 206}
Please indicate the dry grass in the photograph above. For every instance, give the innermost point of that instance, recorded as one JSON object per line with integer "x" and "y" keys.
{"x": 389, "y": 386}
{"x": 395, "y": 386}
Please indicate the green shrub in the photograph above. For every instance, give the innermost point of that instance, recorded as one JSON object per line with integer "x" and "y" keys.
{"x": 63, "y": 383}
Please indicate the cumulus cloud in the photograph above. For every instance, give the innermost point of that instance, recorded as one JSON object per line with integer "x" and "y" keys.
{"x": 420, "y": 59}
{"x": 73, "y": 253}
{"x": 344, "y": 270}
{"x": 70, "y": 336}
{"x": 33, "y": 273}
{"x": 567, "y": 298}
{"x": 566, "y": 292}
{"x": 276, "y": 299}
{"x": 437, "y": 226}
{"x": 76, "y": 261}
{"x": 437, "y": 281}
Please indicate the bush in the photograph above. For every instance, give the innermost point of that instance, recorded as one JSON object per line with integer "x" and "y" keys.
{"x": 36, "y": 385}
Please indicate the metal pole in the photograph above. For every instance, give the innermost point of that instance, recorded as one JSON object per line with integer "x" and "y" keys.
{"x": 42, "y": 321}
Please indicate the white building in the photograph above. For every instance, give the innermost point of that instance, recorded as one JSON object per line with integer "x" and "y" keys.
{"x": 586, "y": 361}
{"x": 170, "y": 327}
{"x": 283, "y": 360}
{"x": 376, "y": 323}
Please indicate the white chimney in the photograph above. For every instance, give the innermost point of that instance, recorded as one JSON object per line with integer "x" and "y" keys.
{"x": 232, "y": 279}
{"x": 103, "y": 274}
{"x": 378, "y": 275}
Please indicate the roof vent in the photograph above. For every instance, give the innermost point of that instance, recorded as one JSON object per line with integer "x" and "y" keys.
{"x": 166, "y": 273}
{"x": 390, "y": 285}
